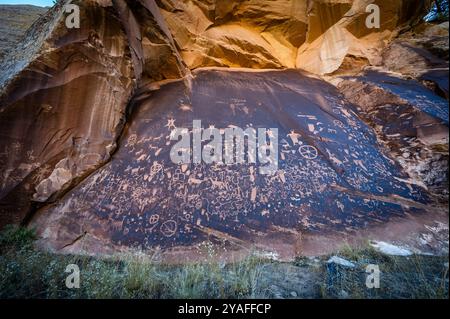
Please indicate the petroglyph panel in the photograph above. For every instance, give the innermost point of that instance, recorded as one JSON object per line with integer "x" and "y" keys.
{"x": 332, "y": 175}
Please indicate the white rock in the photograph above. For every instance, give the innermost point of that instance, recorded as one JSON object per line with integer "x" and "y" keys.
{"x": 343, "y": 294}
{"x": 390, "y": 249}
{"x": 268, "y": 254}
{"x": 341, "y": 261}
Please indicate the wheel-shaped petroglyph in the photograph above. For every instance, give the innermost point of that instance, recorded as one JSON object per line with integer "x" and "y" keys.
{"x": 156, "y": 168}
{"x": 169, "y": 228}
{"x": 308, "y": 152}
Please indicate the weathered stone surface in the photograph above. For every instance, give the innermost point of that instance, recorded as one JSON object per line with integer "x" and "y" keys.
{"x": 405, "y": 100}
{"x": 419, "y": 50}
{"x": 413, "y": 126}
{"x": 313, "y": 35}
{"x": 155, "y": 56}
{"x": 64, "y": 100}
{"x": 64, "y": 94}
{"x": 332, "y": 178}
{"x": 253, "y": 34}
{"x": 86, "y": 115}
{"x": 344, "y": 33}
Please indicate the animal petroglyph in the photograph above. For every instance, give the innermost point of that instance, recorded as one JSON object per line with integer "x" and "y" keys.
{"x": 158, "y": 203}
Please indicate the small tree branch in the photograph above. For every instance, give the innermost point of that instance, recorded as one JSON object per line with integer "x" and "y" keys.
{"x": 438, "y": 6}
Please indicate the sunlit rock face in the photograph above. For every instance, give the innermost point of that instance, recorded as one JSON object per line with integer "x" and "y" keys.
{"x": 64, "y": 96}
{"x": 53, "y": 121}
{"x": 312, "y": 35}
{"x": 340, "y": 33}
{"x": 254, "y": 34}
{"x": 86, "y": 115}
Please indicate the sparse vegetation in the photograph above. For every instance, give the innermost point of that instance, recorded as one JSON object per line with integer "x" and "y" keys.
{"x": 413, "y": 277}
{"x": 29, "y": 273}
{"x": 438, "y": 12}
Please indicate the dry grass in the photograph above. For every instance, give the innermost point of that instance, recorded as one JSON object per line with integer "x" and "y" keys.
{"x": 28, "y": 273}
{"x": 413, "y": 277}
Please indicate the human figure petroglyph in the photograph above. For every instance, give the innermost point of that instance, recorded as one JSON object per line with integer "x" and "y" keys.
{"x": 227, "y": 194}
{"x": 170, "y": 124}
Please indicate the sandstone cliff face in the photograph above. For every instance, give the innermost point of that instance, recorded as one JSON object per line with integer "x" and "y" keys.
{"x": 340, "y": 32}
{"x": 253, "y": 34}
{"x": 313, "y": 35}
{"x": 55, "y": 127}
{"x": 65, "y": 92}
{"x": 331, "y": 176}
{"x": 84, "y": 118}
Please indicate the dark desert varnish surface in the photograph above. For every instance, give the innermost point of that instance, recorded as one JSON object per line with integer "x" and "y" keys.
{"x": 333, "y": 178}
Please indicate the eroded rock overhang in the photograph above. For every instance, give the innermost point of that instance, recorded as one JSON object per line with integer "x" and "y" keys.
{"x": 66, "y": 95}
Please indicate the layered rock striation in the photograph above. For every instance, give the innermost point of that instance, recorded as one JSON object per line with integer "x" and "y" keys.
{"x": 85, "y": 119}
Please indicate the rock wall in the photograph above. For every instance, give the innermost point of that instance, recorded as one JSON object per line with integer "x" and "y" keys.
{"x": 53, "y": 117}
{"x": 68, "y": 99}
{"x": 311, "y": 35}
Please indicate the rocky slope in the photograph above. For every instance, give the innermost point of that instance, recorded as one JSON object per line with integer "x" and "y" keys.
{"x": 86, "y": 115}
{"x": 14, "y": 21}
